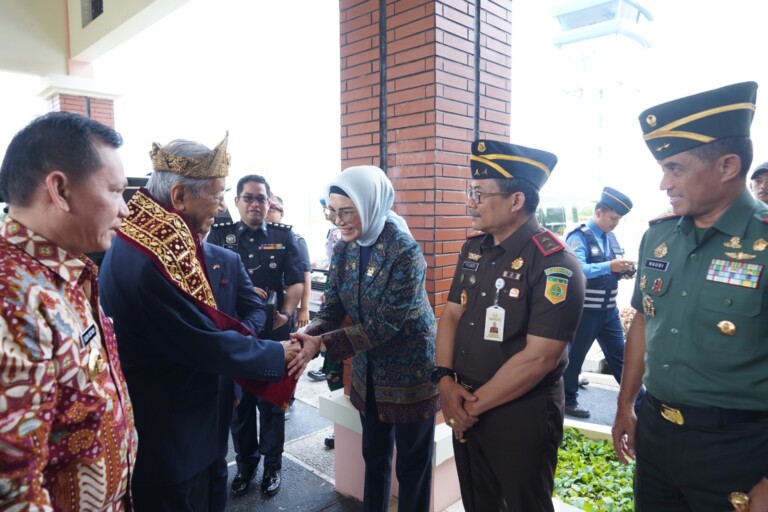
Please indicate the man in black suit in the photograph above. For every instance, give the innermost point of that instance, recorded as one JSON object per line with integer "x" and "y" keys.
{"x": 236, "y": 297}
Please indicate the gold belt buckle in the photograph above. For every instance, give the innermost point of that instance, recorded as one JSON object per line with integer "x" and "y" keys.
{"x": 672, "y": 414}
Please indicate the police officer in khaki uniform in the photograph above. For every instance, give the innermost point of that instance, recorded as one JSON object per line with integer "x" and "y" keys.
{"x": 513, "y": 307}
{"x": 699, "y": 341}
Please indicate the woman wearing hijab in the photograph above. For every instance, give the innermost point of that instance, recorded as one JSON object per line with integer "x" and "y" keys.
{"x": 377, "y": 278}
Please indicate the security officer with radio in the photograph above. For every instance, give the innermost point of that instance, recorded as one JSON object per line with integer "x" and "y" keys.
{"x": 273, "y": 262}
{"x": 603, "y": 264}
{"x": 513, "y": 307}
{"x": 699, "y": 341}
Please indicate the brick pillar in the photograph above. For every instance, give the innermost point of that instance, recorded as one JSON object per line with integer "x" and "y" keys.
{"x": 429, "y": 58}
{"x": 81, "y": 96}
{"x": 102, "y": 110}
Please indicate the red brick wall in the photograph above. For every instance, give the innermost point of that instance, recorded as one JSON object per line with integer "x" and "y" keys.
{"x": 430, "y": 110}
{"x": 97, "y": 109}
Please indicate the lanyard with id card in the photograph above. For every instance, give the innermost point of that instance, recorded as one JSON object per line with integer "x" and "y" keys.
{"x": 494, "y": 317}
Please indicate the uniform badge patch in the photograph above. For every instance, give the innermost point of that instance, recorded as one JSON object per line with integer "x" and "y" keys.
{"x": 517, "y": 264}
{"x": 474, "y": 256}
{"x": 648, "y": 307}
{"x": 230, "y": 239}
{"x": 733, "y": 243}
{"x": 660, "y": 251}
{"x": 558, "y": 270}
{"x": 740, "y": 255}
{"x": 556, "y": 289}
{"x": 759, "y": 245}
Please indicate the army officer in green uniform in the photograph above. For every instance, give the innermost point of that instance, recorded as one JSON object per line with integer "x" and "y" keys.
{"x": 514, "y": 306}
{"x": 699, "y": 341}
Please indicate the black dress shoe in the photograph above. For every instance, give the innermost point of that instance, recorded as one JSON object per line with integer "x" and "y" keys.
{"x": 270, "y": 484}
{"x": 242, "y": 482}
{"x": 577, "y": 411}
{"x": 330, "y": 441}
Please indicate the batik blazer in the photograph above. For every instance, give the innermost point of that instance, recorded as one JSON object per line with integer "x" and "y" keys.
{"x": 392, "y": 331}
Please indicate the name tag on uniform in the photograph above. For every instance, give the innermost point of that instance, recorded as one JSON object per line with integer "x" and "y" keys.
{"x": 470, "y": 265}
{"x": 88, "y": 335}
{"x": 656, "y": 264}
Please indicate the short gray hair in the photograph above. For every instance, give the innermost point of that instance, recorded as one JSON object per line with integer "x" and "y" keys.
{"x": 161, "y": 182}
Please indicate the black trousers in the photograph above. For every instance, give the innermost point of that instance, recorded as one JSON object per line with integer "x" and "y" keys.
{"x": 268, "y": 439}
{"x": 508, "y": 462}
{"x": 415, "y": 442}
{"x": 684, "y": 468}
{"x": 251, "y": 443}
{"x": 191, "y": 495}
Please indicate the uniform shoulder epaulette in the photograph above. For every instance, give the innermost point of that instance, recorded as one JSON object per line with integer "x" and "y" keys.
{"x": 663, "y": 217}
{"x": 475, "y": 234}
{"x": 280, "y": 225}
{"x": 220, "y": 225}
{"x": 762, "y": 215}
{"x": 547, "y": 242}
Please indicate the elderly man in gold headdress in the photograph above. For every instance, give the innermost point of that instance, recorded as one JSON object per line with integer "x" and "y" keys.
{"x": 174, "y": 343}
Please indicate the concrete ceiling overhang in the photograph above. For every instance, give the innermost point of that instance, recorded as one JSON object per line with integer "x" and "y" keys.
{"x": 44, "y": 37}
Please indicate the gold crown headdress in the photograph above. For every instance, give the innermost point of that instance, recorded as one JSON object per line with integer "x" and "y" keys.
{"x": 215, "y": 165}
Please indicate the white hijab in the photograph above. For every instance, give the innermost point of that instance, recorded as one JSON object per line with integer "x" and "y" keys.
{"x": 372, "y": 192}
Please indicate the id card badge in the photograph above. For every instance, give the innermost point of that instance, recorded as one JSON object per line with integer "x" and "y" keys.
{"x": 494, "y": 317}
{"x": 494, "y": 323}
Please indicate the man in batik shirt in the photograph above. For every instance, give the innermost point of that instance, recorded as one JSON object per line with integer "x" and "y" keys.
{"x": 67, "y": 440}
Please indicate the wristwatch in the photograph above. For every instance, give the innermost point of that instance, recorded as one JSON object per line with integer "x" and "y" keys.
{"x": 441, "y": 371}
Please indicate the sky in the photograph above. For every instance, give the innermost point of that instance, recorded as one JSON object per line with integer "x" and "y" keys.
{"x": 268, "y": 73}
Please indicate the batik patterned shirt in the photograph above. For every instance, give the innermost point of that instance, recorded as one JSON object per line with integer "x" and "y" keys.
{"x": 67, "y": 439}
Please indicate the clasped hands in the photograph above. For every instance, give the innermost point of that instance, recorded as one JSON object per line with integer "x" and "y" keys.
{"x": 458, "y": 405}
{"x": 306, "y": 348}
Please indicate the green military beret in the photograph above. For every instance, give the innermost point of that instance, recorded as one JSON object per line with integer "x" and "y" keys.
{"x": 492, "y": 159}
{"x": 683, "y": 124}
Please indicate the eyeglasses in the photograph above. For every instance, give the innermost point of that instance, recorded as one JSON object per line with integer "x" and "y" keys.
{"x": 249, "y": 198}
{"x": 477, "y": 197}
{"x": 345, "y": 214}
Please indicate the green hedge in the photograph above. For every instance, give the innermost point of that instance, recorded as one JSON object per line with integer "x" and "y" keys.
{"x": 590, "y": 477}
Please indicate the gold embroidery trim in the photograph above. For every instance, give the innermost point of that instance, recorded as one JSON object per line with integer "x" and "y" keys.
{"x": 488, "y": 160}
{"x": 667, "y": 130}
{"x": 168, "y": 237}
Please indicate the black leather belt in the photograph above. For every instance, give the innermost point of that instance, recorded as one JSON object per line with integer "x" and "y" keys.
{"x": 702, "y": 416}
